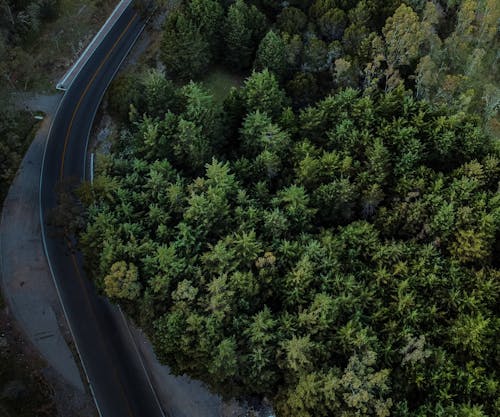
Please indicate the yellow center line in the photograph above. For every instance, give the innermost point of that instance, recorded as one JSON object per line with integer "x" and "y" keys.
{"x": 68, "y": 132}
{"x": 115, "y": 372}
{"x": 61, "y": 175}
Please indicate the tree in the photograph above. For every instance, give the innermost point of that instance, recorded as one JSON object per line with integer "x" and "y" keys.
{"x": 224, "y": 365}
{"x": 159, "y": 94}
{"x": 354, "y": 35}
{"x": 320, "y": 7}
{"x": 122, "y": 281}
{"x": 470, "y": 333}
{"x": 427, "y": 77}
{"x": 207, "y": 16}
{"x": 271, "y": 54}
{"x": 332, "y": 24}
{"x": 470, "y": 246}
{"x": 344, "y": 74}
{"x": 247, "y": 247}
{"x": 298, "y": 351}
{"x": 303, "y": 89}
{"x": 321, "y": 256}
{"x": 295, "y": 204}
{"x": 260, "y": 368}
{"x": 192, "y": 149}
{"x": 364, "y": 389}
{"x": 335, "y": 201}
{"x": 294, "y": 47}
{"x": 261, "y": 92}
{"x": 185, "y": 50}
{"x": 291, "y": 20}
{"x": 244, "y": 27}
{"x": 208, "y": 205}
{"x": 302, "y": 398}
{"x": 202, "y": 109}
{"x": 403, "y": 34}
{"x": 259, "y": 134}
{"x": 315, "y": 55}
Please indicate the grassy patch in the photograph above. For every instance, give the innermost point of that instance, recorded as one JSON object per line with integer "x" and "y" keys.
{"x": 62, "y": 40}
{"x": 219, "y": 81}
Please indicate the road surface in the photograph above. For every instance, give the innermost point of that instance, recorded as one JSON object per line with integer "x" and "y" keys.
{"x": 118, "y": 381}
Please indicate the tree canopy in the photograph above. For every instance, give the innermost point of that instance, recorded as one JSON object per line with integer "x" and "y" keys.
{"x": 327, "y": 237}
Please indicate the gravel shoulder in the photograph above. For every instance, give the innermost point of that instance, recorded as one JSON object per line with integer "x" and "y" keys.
{"x": 181, "y": 396}
{"x": 26, "y": 281}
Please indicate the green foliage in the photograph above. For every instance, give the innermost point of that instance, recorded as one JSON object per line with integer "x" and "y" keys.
{"x": 340, "y": 256}
{"x": 207, "y": 16}
{"x": 262, "y": 93}
{"x": 272, "y": 54}
{"x": 291, "y": 20}
{"x": 340, "y": 260}
{"x": 332, "y": 24}
{"x": 16, "y": 133}
{"x": 244, "y": 27}
{"x": 125, "y": 91}
{"x": 403, "y": 35}
{"x": 159, "y": 94}
{"x": 303, "y": 89}
{"x": 185, "y": 50}
{"x": 122, "y": 281}
{"x": 24, "y": 18}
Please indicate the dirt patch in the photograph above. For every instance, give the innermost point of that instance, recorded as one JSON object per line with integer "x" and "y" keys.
{"x": 28, "y": 387}
{"x": 24, "y": 389}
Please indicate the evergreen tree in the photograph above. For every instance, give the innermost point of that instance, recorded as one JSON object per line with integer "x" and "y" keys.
{"x": 244, "y": 27}
{"x": 184, "y": 50}
{"x": 272, "y": 54}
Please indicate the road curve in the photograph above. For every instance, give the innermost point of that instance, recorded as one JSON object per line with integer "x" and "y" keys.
{"x": 119, "y": 383}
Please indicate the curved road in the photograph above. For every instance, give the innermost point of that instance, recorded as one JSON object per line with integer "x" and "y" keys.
{"x": 117, "y": 378}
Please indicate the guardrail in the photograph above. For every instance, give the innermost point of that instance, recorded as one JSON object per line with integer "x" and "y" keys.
{"x": 65, "y": 82}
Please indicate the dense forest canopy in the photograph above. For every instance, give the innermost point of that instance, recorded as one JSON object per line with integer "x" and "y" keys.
{"x": 444, "y": 50}
{"x": 327, "y": 236}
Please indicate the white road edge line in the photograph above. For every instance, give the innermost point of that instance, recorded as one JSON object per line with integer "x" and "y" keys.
{"x": 85, "y": 177}
{"x": 42, "y": 230}
{"x": 141, "y": 361}
{"x": 92, "y": 168}
{"x": 42, "y": 226}
{"x": 102, "y": 96}
{"x": 60, "y": 84}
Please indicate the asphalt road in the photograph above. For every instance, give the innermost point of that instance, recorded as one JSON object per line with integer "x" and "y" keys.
{"x": 117, "y": 378}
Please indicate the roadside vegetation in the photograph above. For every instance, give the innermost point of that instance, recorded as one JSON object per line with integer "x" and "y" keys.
{"x": 17, "y": 130}
{"x": 324, "y": 233}
{"x": 38, "y": 41}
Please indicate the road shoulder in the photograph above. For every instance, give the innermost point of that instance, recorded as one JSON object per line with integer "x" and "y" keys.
{"x": 26, "y": 282}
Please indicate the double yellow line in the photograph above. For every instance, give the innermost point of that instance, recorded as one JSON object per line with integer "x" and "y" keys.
{"x": 61, "y": 176}
{"x": 68, "y": 132}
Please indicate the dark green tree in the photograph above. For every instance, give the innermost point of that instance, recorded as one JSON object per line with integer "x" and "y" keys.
{"x": 262, "y": 92}
{"x": 185, "y": 50}
{"x": 291, "y": 20}
{"x": 271, "y": 54}
{"x": 244, "y": 28}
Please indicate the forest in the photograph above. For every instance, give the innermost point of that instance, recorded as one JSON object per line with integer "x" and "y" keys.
{"x": 327, "y": 235}
{"x": 20, "y": 21}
